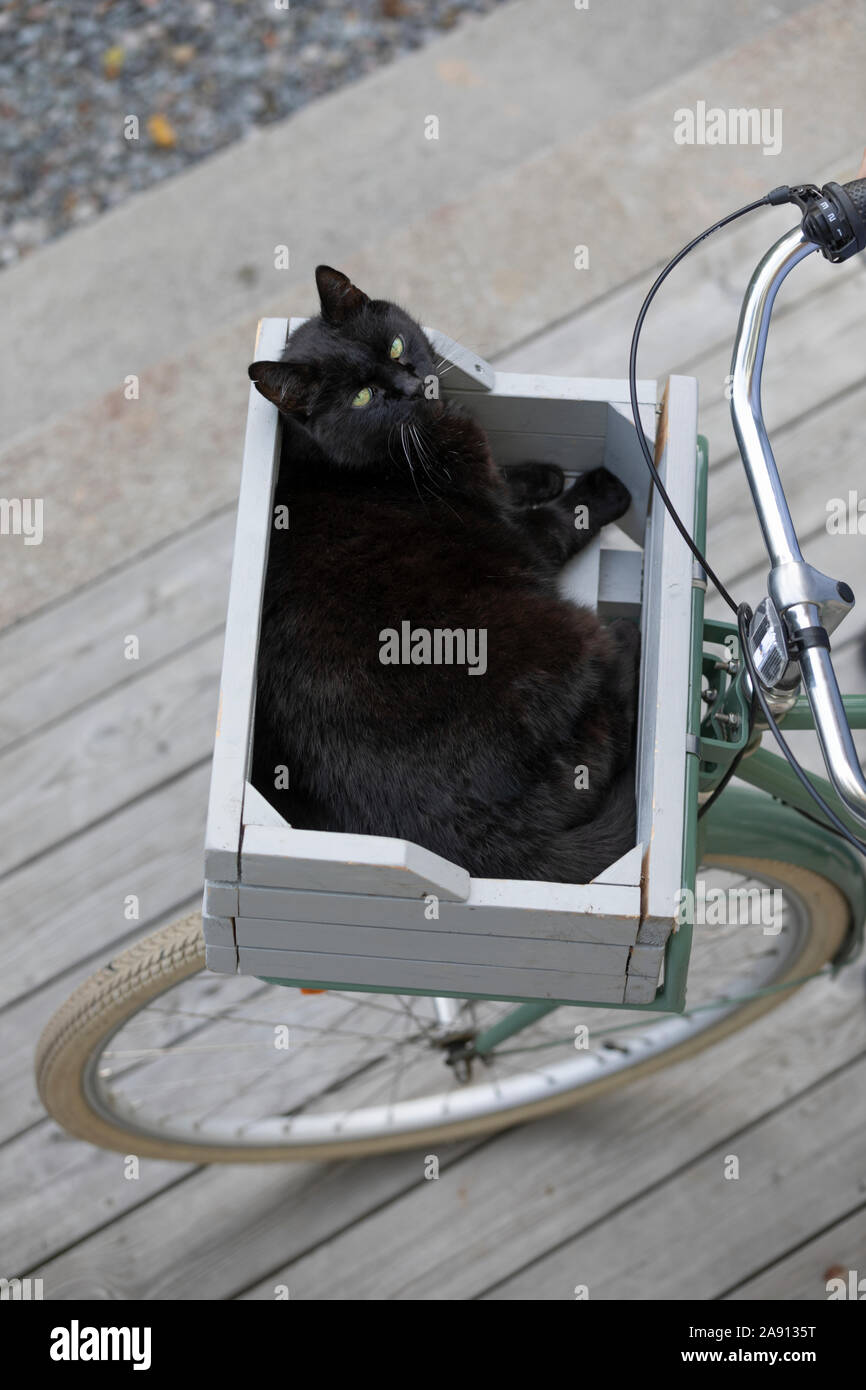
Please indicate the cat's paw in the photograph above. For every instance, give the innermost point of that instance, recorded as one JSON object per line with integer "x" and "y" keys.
{"x": 606, "y": 497}
{"x": 534, "y": 483}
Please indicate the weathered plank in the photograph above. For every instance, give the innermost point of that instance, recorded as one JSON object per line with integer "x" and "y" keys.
{"x": 516, "y": 1199}
{"x": 454, "y": 947}
{"x": 779, "y": 1160}
{"x": 114, "y": 749}
{"x": 433, "y": 977}
{"x": 72, "y": 905}
{"x": 803, "y": 1275}
{"x": 167, "y": 599}
{"x": 605, "y": 913}
{"x": 691, "y": 325}
{"x": 88, "y": 1185}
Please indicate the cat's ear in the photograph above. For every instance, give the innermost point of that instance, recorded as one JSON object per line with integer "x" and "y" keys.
{"x": 339, "y": 298}
{"x": 286, "y": 384}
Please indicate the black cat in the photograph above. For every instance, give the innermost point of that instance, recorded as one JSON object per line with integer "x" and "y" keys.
{"x": 410, "y": 565}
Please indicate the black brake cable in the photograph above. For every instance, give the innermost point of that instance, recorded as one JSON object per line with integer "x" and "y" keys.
{"x": 772, "y": 199}
{"x": 632, "y": 386}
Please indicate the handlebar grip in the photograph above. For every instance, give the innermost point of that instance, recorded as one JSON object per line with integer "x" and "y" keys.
{"x": 856, "y": 191}
{"x": 836, "y": 219}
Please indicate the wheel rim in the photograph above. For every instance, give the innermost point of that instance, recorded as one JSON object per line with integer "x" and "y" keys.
{"x": 178, "y": 1072}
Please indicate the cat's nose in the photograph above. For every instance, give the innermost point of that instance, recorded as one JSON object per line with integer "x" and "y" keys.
{"x": 411, "y": 385}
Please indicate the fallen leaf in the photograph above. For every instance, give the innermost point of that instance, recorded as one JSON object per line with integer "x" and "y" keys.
{"x": 112, "y": 61}
{"x": 161, "y": 132}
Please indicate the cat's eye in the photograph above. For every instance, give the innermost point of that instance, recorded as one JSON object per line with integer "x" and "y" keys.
{"x": 364, "y": 396}
{"x": 397, "y": 347}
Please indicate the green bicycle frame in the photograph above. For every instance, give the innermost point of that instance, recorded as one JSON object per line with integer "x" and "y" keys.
{"x": 761, "y": 822}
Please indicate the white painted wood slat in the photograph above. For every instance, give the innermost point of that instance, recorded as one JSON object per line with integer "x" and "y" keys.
{"x": 605, "y": 913}
{"x": 252, "y": 536}
{"x": 430, "y": 977}
{"x": 453, "y": 947}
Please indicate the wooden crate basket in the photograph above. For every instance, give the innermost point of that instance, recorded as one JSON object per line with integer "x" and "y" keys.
{"x": 355, "y": 911}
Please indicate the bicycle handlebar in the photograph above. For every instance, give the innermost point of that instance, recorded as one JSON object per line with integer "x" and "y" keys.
{"x": 810, "y": 603}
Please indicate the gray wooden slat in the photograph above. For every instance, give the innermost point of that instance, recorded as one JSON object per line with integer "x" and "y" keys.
{"x": 219, "y": 932}
{"x": 210, "y": 1239}
{"x": 89, "y": 1185}
{"x": 431, "y": 977}
{"x": 641, "y": 989}
{"x": 102, "y": 756}
{"x": 452, "y": 947}
{"x": 803, "y": 1275}
{"x": 607, "y": 914}
{"x": 778, "y": 1158}
{"x": 220, "y": 957}
{"x": 695, "y": 315}
{"x": 167, "y": 599}
{"x": 73, "y": 904}
{"x": 220, "y": 899}
{"x": 628, "y": 1143}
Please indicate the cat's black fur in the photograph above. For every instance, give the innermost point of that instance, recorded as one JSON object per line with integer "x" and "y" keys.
{"x": 397, "y": 512}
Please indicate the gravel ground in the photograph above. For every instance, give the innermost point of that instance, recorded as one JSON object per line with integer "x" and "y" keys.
{"x": 197, "y": 74}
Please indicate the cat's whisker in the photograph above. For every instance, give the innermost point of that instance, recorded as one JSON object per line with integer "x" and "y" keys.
{"x": 409, "y": 461}
{"x": 439, "y": 496}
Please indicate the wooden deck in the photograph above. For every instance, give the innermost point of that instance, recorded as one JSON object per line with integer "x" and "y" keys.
{"x": 104, "y": 766}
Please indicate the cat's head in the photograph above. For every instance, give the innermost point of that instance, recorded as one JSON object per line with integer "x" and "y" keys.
{"x": 354, "y": 374}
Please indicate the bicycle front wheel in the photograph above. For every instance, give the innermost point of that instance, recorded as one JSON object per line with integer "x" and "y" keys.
{"x": 155, "y": 1056}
